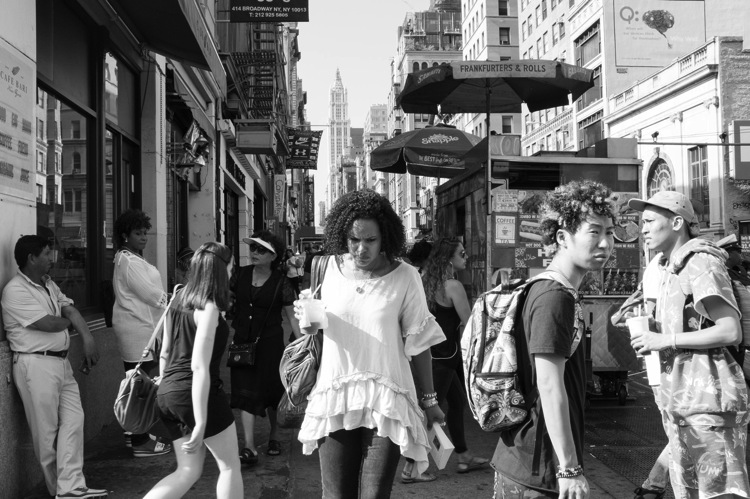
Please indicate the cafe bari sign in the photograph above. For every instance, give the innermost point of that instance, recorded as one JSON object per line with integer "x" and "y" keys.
{"x": 516, "y": 69}
{"x": 254, "y": 11}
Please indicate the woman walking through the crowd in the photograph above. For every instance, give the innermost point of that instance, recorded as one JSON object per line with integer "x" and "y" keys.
{"x": 364, "y": 410}
{"x": 194, "y": 408}
{"x": 262, "y": 293}
{"x": 293, "y": 266}
{"x": 139, "y": 302}
{"x": 446, "y": 299}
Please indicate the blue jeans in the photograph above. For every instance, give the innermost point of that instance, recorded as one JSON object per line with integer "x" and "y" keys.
{"x": 357, "y": 464}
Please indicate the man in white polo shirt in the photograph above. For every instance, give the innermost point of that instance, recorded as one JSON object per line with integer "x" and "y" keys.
{"x": 36, "y": 316}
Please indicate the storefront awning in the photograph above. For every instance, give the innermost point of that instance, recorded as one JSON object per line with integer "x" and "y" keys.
{"x": 174, "y": 28}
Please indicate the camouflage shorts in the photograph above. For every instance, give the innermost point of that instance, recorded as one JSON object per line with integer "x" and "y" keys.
{"x": 708, "y": 461}
{"x": 505, "y": 488}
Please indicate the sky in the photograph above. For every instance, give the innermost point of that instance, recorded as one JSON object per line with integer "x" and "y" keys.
{"x": 360, "y": 39}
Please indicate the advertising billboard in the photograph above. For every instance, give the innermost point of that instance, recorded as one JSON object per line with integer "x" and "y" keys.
{"x": 652, "y": 33}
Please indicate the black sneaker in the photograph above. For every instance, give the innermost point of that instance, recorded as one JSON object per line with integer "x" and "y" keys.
{"x": 642, "y": 493}
{"x": 151, "y": 448}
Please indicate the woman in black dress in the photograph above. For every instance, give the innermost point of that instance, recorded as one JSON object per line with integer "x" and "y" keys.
{"x": 262, "y": 293}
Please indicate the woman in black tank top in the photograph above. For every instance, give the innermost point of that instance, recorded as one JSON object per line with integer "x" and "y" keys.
{"x": 447, "y": 300}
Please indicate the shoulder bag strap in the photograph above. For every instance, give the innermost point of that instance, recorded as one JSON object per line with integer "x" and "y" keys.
{"x": 163, "y": 322}
{"x": 318, "y": 271}
{"x": 282, "y": 276}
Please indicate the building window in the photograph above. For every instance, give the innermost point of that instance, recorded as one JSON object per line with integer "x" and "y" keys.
{"x": 539, "y": 47}
{"x": 544, "y": 10}
{"x": 594, "y": 93}
{"x": 40, "y": 129}
{"x": 660, "y": 178}
{"x": 507, "y": 124}
{"x": 590, "y": 130}
{"x": 552, "y": 4}
{"x": 39, "y": 193}
{"x": 72, "y": 202}
{"x": 502, "y": 7}
{"x": 545, "y": 41}
{"x": 40, "y": 161}
{"x": 588, "y": 45}
{"x": 698, "y": 159}
{"x": 504, "y": 36}
{"x": 555, "y": 35}
{"x": 523, "y": 30}
{"x": 531, "y": 25}
{"x": 415, "y": 67}
{"x": 538, "y": 15}
{"x": 75, "y": 129}
{"x": 561, "y": 29}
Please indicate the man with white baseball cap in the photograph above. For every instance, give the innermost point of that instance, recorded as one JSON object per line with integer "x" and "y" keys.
{"x": 702, "y": 396}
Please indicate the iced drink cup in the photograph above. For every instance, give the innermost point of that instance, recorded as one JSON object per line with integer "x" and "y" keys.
{"x": 314, "y": 312}
{"x": 638, "y": 326}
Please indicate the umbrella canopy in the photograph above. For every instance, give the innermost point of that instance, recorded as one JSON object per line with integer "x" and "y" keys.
{"x": 495, "y": 87}
{"x": 429, "y": 152}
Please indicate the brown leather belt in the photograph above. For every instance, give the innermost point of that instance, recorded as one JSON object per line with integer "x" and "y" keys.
{"x": 62, "y": 353}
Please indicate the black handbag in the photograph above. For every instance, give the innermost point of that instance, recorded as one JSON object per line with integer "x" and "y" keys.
{"x": 243, "y": 354}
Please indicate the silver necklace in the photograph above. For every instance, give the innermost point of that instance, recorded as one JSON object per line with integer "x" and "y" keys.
{"x": 360, "y": 285}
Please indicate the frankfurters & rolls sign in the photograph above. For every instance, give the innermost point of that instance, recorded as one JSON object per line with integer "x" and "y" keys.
{"x": 516, "y": 69}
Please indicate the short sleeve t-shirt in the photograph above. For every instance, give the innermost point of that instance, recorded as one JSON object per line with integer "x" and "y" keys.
{"x": 552, "y": 323}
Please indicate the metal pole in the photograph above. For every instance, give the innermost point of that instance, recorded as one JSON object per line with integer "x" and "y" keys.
{"x": 488, "y": 193}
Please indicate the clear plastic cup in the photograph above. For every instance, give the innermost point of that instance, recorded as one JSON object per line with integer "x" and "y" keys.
{"x": 638, "y": 326}
{"x": 314, "y": 312}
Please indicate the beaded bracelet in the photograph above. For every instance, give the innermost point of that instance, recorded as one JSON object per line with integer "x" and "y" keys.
{"x": 569, "y": 472}
{"x": 432, "y": 395}
{"x": 426, "y": 404}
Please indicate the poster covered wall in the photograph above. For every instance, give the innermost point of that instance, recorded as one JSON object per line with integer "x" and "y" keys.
{"x": 17, "y": 143}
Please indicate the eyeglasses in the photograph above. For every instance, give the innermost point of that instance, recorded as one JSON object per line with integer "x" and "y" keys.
{"x": 257, "y": 248}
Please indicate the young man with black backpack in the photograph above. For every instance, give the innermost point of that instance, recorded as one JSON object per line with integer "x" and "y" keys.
{"x": 543, "y": 457}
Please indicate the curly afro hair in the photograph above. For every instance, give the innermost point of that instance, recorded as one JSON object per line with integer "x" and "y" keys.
{"x": 128, "y": 221}
{"x": 568, "y": 207}
{"x": 368, "y": 205}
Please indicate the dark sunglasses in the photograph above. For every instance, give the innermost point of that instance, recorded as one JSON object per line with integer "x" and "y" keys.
{"x": 257, "y": 248}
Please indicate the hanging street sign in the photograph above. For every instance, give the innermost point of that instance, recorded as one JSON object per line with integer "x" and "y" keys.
{"x": 256, "y": 11}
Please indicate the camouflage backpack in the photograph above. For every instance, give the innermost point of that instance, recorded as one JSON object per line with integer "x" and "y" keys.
{"x": 488, "y": 347}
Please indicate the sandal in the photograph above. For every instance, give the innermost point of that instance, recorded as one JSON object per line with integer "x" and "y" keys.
{"x": 248, "y": 457}
{"x": 274, "y": 448}
{"x": 424, "y": 477}
{"x": 473, "y": 464}
{"x": 642, "y": 493}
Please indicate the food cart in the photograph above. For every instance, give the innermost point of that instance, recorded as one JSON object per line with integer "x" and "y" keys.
{"x": 506, "y": 237}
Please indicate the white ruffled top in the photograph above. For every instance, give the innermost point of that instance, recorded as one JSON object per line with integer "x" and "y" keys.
{"x": 364, "y": 379}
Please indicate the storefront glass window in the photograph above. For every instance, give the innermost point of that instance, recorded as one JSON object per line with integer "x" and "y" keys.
{"x": 119, "y": 88}
{"x": 64, "y": 220}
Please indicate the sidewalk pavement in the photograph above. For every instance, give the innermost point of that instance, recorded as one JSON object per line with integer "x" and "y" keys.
{"x": 622, "y": 443}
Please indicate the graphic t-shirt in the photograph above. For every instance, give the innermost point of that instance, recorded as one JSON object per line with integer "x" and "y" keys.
{"x": 525, "y": 454}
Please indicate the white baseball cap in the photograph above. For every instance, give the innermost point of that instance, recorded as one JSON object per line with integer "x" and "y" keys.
{"x": 259, "y": 242}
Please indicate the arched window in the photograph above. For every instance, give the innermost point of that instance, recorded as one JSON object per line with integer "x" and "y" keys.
{"x": 415, "y": 67}
{"x": 660, "y": 178}
{"x": 434, "y": 64}
{"x": 424, "y": 65}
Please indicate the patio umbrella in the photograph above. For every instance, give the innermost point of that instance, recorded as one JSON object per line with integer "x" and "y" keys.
{"x": 431, "y": 152}
{"x": 493, "y": 87}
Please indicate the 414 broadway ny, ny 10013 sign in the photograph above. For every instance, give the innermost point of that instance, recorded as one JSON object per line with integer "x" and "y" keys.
{"x": 246, "y": 11}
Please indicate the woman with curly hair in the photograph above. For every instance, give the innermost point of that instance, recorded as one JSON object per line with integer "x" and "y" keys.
{"x": 364, "y": 411}
{"x": 195, "y": 410}
{"x": 543, "y": 456}
{"x": 447, "y": 300}
{"x": 139, "y": 302}
{"x": 262, "y": 293}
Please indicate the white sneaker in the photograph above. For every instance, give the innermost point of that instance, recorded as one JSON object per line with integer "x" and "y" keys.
{"x": 84, "y": 492}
